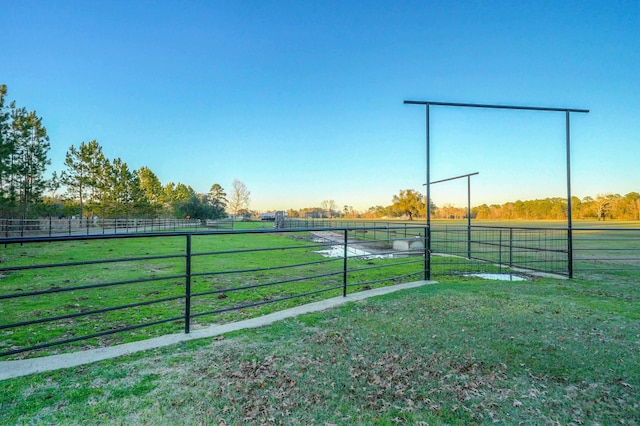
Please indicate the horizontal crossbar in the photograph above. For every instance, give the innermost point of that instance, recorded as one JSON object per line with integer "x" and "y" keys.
{"x": 519, "y": 107}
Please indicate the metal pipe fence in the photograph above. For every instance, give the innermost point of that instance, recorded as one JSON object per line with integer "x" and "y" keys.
{"x": 63, "y": 290}
{"x": 51, "y": 226}
{"x": 606, "y": 250}
{"x": 463, "y": 250}
{"x": 88, "y": 289}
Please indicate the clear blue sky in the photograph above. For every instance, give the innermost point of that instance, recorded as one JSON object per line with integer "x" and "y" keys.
{"x": 303, "y": 101}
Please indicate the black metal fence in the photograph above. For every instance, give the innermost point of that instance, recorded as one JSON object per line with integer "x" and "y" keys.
{"x": 462, "y": 250}
{"x": 64, "y": 290}
{"x": 606, "y": 249}
{"x": 87, "y": 288}
{"x": 51, "y": 226}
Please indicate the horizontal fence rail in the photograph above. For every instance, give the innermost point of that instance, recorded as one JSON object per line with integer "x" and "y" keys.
{"x": 86, "y": 290}
{"x": 94, "y": 225}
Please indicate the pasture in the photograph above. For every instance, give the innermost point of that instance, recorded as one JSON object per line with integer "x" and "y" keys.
{"x": 464, "y": 350}
{"x": 125, "y": 289}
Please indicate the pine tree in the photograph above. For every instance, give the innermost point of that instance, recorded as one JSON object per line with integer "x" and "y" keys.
{"x": 84, "y": 177}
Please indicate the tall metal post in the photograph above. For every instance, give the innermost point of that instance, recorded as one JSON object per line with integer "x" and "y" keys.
{"x": 569, "y": 203}
{"x": 345, "y": 264}
{"x": 187, "y": 298}
{"x": 469, "y": 217}
{"x": 427, "y": 259}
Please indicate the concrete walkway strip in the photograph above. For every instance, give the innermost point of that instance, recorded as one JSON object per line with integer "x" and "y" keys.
{"x": 18, "y": 368}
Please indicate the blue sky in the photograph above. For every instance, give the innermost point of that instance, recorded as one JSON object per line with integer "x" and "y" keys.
{"x": 303, "y": 101}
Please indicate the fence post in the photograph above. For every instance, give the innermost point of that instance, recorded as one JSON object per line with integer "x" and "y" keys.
{"x": 500, "y": 248}
{"x": 570, "y": 251}
{"x": 187, "y": 299}
{"x": 469, "y": 239}
{"x": 427, "y": 253}
{"x": 344, "y": 266}
{"x": 510, "y": 247}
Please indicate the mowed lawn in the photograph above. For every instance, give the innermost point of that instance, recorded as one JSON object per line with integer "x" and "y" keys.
{"x": 463, "y": 351}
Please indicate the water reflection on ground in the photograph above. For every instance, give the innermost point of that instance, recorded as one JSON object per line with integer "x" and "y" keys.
{"x": 501, "y": 277}
{"x": 338, "y": 251}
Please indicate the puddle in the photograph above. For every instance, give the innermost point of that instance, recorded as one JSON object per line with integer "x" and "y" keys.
{"x": 338, "y": 251}
{"x": 501, "y": 277}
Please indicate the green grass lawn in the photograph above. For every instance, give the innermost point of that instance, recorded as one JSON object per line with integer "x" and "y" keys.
{"x": 462, "y": 351}
{"x": 227, "y": 272}
{"x": 215, "y": 288}
{"x": 457, "y": 352}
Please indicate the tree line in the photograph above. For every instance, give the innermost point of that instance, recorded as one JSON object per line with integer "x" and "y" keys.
{"x": 410, "y": 204}
{"x": 602, "y": 207}
{"x": 94, "y": 185}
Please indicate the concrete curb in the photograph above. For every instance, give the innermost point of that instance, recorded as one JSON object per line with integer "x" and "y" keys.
{"x": 19, "y": 368}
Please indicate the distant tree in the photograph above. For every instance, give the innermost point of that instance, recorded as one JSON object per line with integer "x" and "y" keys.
{"x": 587, "y": 208}
{"x": 30, "y": 148}
{"x": 576, "y": 207}
{"x": 50, "y": 207}
{"x": 175, "y": 196}
{"x": 54, "y": 184}
{"x": 349, "y": 212}
{"x": 24, "y": 146}
{"x": 200, "y": 206}
{"x": 410, "y": 203}
{"x": 239, "y": 197}
{"x": 377, "y": 211}
{"x": 311, "y": 212}
{"x": 604, "y": 203}
{"x": 246, "y": 213}
{"x": 123, "y": 193}
{"x": 183, "y": 192}
{"x": 191, "y": 208}
{"x": 482, "y": 211}
{"x": 6, "y": 150}
{"x": 152, "y": 194}
{"x": 633, "y": 201}
{"x": 449, "y": 211}
{"x": 217, "y": 194}
{"x": 328, "y": 206}
{"x": 85, "y": 168}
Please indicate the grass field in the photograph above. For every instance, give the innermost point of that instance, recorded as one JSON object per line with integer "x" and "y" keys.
{"x": 463, "y": 352}
{"x": 228, "y": 275}
{"x": 215, "y": 294}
